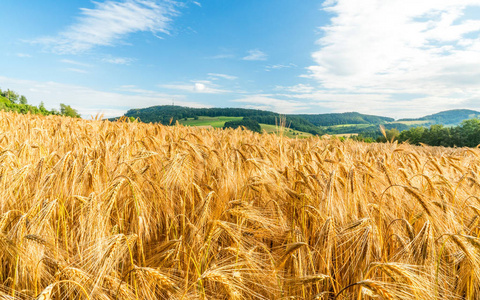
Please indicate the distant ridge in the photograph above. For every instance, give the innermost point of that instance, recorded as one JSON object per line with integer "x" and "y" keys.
{"x": 448, "y": 117}
{"x": 344, "y": 118}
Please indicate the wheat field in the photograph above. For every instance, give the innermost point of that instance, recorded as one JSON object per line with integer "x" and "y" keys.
{"x": 116, "y": 210}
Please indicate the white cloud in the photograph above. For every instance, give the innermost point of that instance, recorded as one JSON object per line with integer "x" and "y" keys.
{"x": 197, "y": 3}
{"x": 279, "y": 66}
{"x": 221, "y": 56}
{"x": 90, "y": 101}
{"x": 76, "y": 70}
{"x": 215, "y": 76}
{"x": 375, "y": 103}
{"x": 74, "y": 62}
{"x": 299, "y": 88}
{"x": 199, "y": 86}
{"x": 255, "y": 55}
{"x": 119, "y": 60}
{"x": 429, "y": 49}
{"x": 133, "y": 89}
{"x": 109, "y": 22}
{"x": 268, "y": 102}
{"x": 23, "y": 55}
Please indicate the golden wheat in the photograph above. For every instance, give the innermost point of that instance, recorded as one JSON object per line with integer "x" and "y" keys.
{"x": 118, "y": 210}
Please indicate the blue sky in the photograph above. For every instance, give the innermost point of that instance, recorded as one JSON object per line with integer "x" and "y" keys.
{"x": 394, "y": 58}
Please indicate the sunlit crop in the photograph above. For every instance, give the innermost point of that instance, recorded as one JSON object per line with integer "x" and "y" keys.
{"x": 119, "y": 210}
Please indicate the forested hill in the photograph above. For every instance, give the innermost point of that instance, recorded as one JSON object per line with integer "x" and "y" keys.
{"x": 169, "y": 114}
{"x": 344, "y": 118}
{"x": 448, "y": 117}
{"x": 332, "y": 123}
{"x": 164, "y": 113}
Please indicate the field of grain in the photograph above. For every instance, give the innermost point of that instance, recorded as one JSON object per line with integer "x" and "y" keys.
{"x": 116, "y": 210}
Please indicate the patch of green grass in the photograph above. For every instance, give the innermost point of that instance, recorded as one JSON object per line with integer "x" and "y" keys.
{"x": 419, "y": 122}
{"x": 291, "y": 133}
{"x": 216, "y": 122}
{"x": 351, "y": 125}
{"x": 346, "y": 135}
{"x": 4, "y": 100}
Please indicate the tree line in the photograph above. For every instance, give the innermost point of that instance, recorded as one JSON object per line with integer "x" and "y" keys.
{"x": 248, "y": 123}
{"x": 344, "y": 118}
{"x": 467, "y": 134}
{"x": 12, "y": 101}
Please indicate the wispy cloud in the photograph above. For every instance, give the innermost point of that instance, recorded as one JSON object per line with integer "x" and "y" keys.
{"x": 23, "y": 55}
{"x": 76, "y": 70}
{"x": 255, "y": 54}
{"x": 272, "y": 103}
{"x": 299, "y": 88}
{"x": 221, "y": 56}
{"x": 200, "y": 86}
{"x": 110, "y": 22}
{"x": 119, "y": 60}
{"x": 279, "y": 66}
{"x": 224, "y": 76}
{"x": 74, "y": 62}
{"x": 401, "y": 47}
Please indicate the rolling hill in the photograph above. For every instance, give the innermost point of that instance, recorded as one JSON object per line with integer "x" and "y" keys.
{"x": 169, "y": 114}
{"x": 344, "y": 118}
{"x": 448, "y": 117}
{"x": 316, "y": 124}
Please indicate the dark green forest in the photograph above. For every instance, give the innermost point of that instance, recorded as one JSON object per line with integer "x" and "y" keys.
{"x": 248, "y": 123}
{"x": 344, "y": 118}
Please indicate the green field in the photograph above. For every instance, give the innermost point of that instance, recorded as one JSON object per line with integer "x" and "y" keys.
{"x": 350, "y": 125}
{"x": 216, "y": 122}
{"x": 291, "y": 133}
{"x": 409, "y": 123}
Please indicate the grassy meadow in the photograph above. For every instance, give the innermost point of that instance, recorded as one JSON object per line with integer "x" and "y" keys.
{"x": 117, "y": 210}
{"x": 291, "y": 133}
{"x": 215, "y": 122}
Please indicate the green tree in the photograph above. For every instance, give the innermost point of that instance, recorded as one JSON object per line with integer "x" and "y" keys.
{"x": 247, "y": 123}
{"x": 23, "y": 100}
{"x": 12, "y": 96}
{"x": 468, "y": 133}
{"x": 414, "y": 136}
{"x": 68, "y": 111}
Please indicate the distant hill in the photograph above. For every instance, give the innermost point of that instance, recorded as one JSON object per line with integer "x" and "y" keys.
{"x": 311, "y": 123}
{"x": 332, "y": 123}
{"x": 169, "y": 114}
{"x": 448, "y": 117}
{"x": 344, "y": 118}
